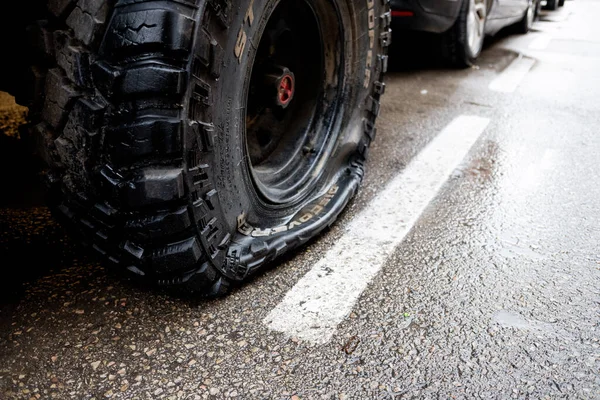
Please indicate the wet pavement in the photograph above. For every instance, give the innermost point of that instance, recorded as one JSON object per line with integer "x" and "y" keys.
{"x": 494, "y": 293}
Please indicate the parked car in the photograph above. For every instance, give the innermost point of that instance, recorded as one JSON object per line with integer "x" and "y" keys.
{"x": 192, "y": 142}
{"x": 463, "y": 24}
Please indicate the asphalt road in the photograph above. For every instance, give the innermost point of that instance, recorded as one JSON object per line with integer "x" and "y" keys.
{"x": 491, "y": 291}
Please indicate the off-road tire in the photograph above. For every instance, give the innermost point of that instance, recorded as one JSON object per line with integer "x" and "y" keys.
{"x": 135, "y": 109}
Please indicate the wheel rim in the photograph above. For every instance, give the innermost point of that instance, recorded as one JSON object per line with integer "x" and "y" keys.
{"x": 530, "y": 15}
{"x": 292, "y": 103}
{"x": 476, "y": 25}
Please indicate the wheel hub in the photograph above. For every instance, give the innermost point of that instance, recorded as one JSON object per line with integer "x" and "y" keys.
{"x": 283, "y": 85}
{"x": 286, "y": 90}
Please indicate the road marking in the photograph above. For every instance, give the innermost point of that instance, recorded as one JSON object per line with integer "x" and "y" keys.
{"x": 321, "y": 299}
{"x": 548, "y": 160}
{"x": 540, "y": 43}
{"x": 511, "y": 77}
{"x": 530, "y": 177}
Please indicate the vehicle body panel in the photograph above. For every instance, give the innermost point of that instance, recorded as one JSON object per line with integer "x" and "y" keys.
{"x": 505, "y": 13}
{"x": 438, "y": 16}
{"x": 428, "y": 15}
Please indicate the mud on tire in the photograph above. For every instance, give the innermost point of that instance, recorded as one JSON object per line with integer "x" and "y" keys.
{"x": 146, "y": 114}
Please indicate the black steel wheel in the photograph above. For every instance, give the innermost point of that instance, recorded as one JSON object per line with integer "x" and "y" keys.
{"x": 291, "y": 100}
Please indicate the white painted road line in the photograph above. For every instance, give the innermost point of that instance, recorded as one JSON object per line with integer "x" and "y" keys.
{"x": 541, "y": 42}
{"x": 321, "y": 299}
{"x": 511, "y": 77}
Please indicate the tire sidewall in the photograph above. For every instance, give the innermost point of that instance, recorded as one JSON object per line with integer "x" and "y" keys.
{"x": 237, "y": 195}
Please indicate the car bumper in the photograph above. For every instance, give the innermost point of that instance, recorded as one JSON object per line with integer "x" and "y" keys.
{"x": 425, "y": 15}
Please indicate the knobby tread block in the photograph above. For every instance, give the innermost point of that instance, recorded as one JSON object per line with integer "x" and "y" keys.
{"x": 156, "y": 78}
{"x": 143, "y": 187}
{"x": 60, "y": 7}
{"x": 159, "y": 224}
{"x": 73, "y": 60}
{"x": 154, "y": 185}
{"x": 137, "y": 32}
{"x": 59, "y": 94}
{"x": 88, "y": 19}
{"x": 153, "y": 136}
{"x": 176, "y": 255}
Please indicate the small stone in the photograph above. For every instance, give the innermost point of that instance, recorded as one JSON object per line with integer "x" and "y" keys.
{"x": 95, "y": 365}
{"x": 124, "y": 387}
{"x": 150, "y": 352}
{"x": 121, "y": 371}
{"x": 213, "y": 391}
{"x": 79, "y": 311}
{"x": 295, "y": 397}
{"x": 138, "y": 378}
{"x": 111, "y": 377}
{"x": 54, "y": 358}
{"x": 158, "y": 391}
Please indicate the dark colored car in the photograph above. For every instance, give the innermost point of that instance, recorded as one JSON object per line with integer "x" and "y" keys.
{"x": 463, "y": 23}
